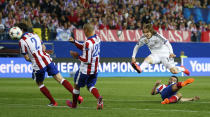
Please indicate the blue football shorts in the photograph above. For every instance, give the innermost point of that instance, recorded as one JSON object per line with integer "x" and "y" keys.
{"x": 167, "y": 92}
{"x": 39, "y": 75}
{"x": 81, "y": 79}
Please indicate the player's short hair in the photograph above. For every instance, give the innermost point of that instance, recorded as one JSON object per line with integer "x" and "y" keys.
{"x": 175, "y": 77}
{"x": 148, "y": 28}
{"x": 22, "y": 26}
{"x": 89, "y": 27}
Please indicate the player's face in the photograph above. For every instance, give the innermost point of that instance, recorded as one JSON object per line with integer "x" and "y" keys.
{"x": 147, "y": 34}
{"x": 172, "y": 80}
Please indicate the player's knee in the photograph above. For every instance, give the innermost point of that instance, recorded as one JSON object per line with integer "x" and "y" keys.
{"x": 90, "y": 88}
{"x": 173, "y": 70}
{"x": 148, "y": 59}
{"x": 39, "y": 83}
{"x": 179, "y": 95}
{"x": 58, "y": 77}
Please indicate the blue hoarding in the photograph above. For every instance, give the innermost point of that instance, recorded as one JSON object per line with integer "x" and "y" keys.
{"x": 197, "y": 66}
{"x": 19, "y": 68}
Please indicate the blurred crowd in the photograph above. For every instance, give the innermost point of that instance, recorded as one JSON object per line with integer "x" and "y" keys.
{"x": 60, "y": 15}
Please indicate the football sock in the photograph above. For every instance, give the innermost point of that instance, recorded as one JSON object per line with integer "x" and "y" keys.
{"x": 144, "y": 65}
{"x": 67, "y": 85}
{"x": 46, "y": 92}
{"x": 95, "y": 92}
{"x": 75, "y": 97}
{"x": 180, "y": 69}
{"x": 173, "y": 99}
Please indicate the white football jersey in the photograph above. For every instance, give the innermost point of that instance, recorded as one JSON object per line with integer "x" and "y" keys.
{"x": 157, "y": 45}
{"x": 31, "y": 44}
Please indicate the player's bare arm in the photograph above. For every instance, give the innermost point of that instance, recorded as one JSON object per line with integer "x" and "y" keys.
{"x": 133, "y": 60}
{"x": 135, "y": 50}
{"x": 154, "y": 92}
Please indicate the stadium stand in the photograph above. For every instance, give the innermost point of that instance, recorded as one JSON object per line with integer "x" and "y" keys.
{"x": 56, "y": 15}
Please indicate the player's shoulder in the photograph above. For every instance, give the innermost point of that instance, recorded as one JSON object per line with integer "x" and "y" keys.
{"x": 161, "y": 87}
{"x": 159, "y": 36}
{"x": 94, "y": 39}
{"x": 142, "y": 38}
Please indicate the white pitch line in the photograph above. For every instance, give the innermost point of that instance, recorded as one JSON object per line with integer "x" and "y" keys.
{"x": 110, "y": 100}
{"x": 111, "y": 108}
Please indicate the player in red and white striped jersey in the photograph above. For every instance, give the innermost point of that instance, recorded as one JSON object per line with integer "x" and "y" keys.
{"x": 87, "y": 73}
{"x": 169, "y": 92}
{"x": 32, "y": 47}
{"x": 34, "y": 51}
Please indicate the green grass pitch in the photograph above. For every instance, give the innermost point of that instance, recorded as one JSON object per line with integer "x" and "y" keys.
{"x": 123, "y": 97}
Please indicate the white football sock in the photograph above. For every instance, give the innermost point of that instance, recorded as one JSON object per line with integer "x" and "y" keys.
{"x": 180, "y": 69}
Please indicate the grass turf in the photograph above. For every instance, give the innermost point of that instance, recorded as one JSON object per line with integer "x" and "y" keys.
{"x": 123, "y": 97}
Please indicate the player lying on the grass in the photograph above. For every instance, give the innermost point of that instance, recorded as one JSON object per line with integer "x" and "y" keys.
{"x": 87, "y": 73}
{"x": 161, "y": 51}
{"x": 34, "y": 51}
{"x": 169, "y": 92}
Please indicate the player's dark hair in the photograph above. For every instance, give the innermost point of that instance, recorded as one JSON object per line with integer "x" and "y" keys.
{"x": 149, "y": 27}
{"x": 22, "y": 26}
{"x": 175, "y": 77}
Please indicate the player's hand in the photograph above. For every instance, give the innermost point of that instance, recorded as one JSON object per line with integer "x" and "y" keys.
{"x": 74, "y": 54}
{"x": 71, "y": 40}
{"x": 133, "y": 60}
{"x": 158, "y": 83}
{"x": 172, "y": 55}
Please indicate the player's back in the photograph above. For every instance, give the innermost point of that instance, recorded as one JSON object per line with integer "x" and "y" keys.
{"x": 31, "y": 44}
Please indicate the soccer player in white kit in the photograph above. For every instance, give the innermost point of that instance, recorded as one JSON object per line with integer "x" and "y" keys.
{"x": 34, "y": 51}
{"x": 161, "y": 51}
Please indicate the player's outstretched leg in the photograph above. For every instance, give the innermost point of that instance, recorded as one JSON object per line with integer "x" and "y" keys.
{"x": 100, "y": 103}
{"x": 188, "y": 81}
{"x": 183, "y": 69}
{"x": 136, "y": 67}
{"x": 46, "y": 92}
{"x": 99, "y": 98}
{"x": 69, "y": 87}
{"x": 172, "y": 99}
{"x": 73, "y": 104}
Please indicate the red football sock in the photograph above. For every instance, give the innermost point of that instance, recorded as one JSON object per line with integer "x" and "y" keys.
{"x": 75, "y": 97}
{"x": 173, "y": 99}
{"x": 179, "y": 85}
{"x": 95, "y": 92}
{"x": 46, "y": 92}
{"x": 68, "y": 86}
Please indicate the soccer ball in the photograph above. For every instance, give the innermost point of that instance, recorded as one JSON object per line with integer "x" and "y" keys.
{"x": 15, "y": 32}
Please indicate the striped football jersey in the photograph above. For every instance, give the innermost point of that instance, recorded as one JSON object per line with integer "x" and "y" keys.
{"x": 31, "y": 44}
{"x": 90, "y": 55}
